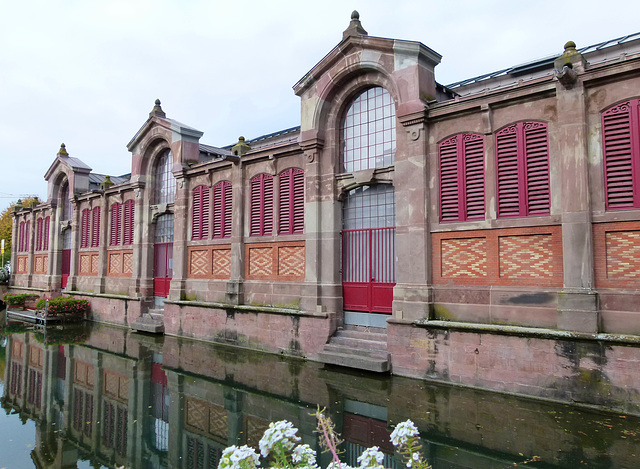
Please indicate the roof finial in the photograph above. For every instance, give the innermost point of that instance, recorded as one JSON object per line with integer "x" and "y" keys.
{"x": 355, "y": 28}
{"x": 63, "y": 150}
{"x": 157, "y": 110}
{"x": 241, "y": 147}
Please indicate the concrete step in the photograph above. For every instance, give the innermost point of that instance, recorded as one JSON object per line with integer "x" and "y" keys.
{"x": 364, "y": 344}
{"x": 361, "y": 335}
{"x": 378, "y": 365}
{"x": 356, "y": 351}
{"x": 148, "y": 323}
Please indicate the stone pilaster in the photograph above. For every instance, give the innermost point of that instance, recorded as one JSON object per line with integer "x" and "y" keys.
{"x": 235, "y": 288}
{"x": 72, "y": 281}
{"x": 180, "y": 235}
{"x": 103, "y": 260}
{"x": 578, "y": 303}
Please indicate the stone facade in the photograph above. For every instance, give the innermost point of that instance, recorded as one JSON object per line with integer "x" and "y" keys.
{"x": 564, "y": 258}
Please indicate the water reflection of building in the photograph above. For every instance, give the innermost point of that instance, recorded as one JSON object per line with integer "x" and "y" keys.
{"x": 123, "y": 399}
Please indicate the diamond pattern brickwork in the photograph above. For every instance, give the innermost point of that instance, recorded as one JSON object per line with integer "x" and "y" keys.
{"x": 196, "y": 414}
{"x": 127, "y": 263}
{"x": 199, "y": 261}
{"x": 525, "y": 256}
{"x": 115, "y": 263}
{"x": 218, "y": 421}
{"x": 291, "y": 261}
{"x": 464, "y": 257}
{"x": 623, "y": 255}
{"x": 85, "y": 264}
{"x": 221, "y": 263}
{"x": 38, "y": 267}
{"x": 22, "y": 265}
{"x": 94, "y": 263}
{"x": 261, "y": 262}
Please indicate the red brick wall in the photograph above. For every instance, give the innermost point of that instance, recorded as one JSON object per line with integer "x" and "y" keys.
{"x": 88, "y": 263}
{"x": 515, "y": 256}
{"x": 40, "y": 263}
{"x": 617, "y": 254}
{"x": 210, "y": 261}
{"x": 275, "y": 261}
{"x": 120, "y": 263}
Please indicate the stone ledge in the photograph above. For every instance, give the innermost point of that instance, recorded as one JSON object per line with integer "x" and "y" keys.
{"x": 102, "y": 295}
{"x": 248, "y": 308}
{"x": 13, "y": 287}
{"x": 521, "y": 331}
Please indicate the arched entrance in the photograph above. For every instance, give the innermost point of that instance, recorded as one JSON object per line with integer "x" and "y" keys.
{"x": 368, "y": 249}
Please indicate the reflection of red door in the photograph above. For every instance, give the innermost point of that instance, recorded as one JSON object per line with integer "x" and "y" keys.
{"x": 162, "y": 268}
{"x": 368, "y": 269}
{"x": 66, "y": 266}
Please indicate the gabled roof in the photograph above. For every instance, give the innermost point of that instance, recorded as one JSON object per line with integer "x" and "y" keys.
{"x": 75, "y": 164}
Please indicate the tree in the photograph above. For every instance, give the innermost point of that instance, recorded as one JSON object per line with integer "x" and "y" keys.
{"x": 6, "y": 222}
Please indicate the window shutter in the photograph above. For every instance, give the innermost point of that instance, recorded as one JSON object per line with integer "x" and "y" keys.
{"x": 84, "y": 229}
{"x": 39, "y": 234}
{"x": 114, "y": 235}
{"x": 129, "y": 208}
{"x": 298, "y": 201}
{"x": 474, "y": 176}
{"x": 261, "y": 205}
{"x": 621, "y": 155}
{"x": 449, "y": 182}
{"x": 536, "y": 151}
{"x": 27, "y": 235}
{"x": 267, "y": 205}
{"x": 95, "y": 227}
{"x": 21, "y": 237}
{"x": 228, "y": 200}
{"x": 284, "y": 214}
{"x": 508, "y": 172}
{"x": 196, "y": 214}
{"x": 45, "y": 244}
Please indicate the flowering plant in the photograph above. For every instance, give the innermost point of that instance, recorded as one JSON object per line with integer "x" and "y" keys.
{"x": 279, "y": 446}
{"x": 64, "y": 305}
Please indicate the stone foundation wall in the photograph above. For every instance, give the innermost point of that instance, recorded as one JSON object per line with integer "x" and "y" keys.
{"x": 568, "y": 368}
{"x": 111, "y": 309}
{"x": 275, "y": 330}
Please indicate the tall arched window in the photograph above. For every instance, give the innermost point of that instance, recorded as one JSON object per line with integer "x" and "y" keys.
{"x": 65, "y": 202}
{"x": 165, "y": 183}
{"x": 368, "y": 131}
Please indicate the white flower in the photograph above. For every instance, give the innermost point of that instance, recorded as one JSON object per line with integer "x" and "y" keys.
{"x": 233, "y": 456}
{"x": 403, "y": 432}
{"x": 371, "y": 458}
{"x": 305, "y": 455}
{"x": 281, "y": 432}
{"x": 340, "y": 465}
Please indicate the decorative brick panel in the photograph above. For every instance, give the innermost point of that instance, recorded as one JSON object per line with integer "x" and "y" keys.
{"x": 221, "y": 263}
{"x": 83, "y": 374}
{"x": 210, "y": 261}
{"x": 35, "y": 357}
{"x": 512, "y": 256}
{"x": 617, "y": 254}
{"x": 526, "y": 256}
{"x": 22, "y": 265}
{"x": 16, "y": 350}
{"x": 207, "y": 419}
{"x": 196, "y": 415}
{"x": 116, "y": 386}
{"x": 199, "y": 262}
{"x": 275, "y": 261}
{"x": 254, "y": 428}
{"x": 40, "y": 263}
{"x": 464, "y": 257}
{"x": 88, "y": 263}
{"x": 120, "y": 263}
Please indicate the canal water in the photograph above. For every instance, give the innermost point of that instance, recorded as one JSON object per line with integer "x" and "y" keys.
{"x": 94, "y": 396}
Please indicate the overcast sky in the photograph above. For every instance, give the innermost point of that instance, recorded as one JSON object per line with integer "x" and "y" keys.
{"x": 86, "y": 72}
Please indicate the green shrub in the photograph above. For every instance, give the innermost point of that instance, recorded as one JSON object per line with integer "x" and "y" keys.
{"x": 64, "y": 305}
{"x": 19, "y": 299}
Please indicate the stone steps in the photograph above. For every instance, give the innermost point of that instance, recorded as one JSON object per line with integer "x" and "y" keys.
{"x": 353, "y": 347}
{"x": 152, "y": 322}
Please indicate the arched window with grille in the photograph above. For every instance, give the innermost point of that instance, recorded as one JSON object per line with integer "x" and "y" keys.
{"x": 165, "y": 183}
{"x": 65, "y": 203}
{"x": 368, "y": 131}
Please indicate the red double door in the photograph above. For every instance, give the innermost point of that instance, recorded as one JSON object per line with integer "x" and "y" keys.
{"x": 368, "y": 269}
{"x": 66, "y": 266}
{"x": 162, "y": 268}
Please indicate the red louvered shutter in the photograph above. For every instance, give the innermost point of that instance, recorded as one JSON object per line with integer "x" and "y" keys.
{"x": 267, "y": 205}
{"x": 39, "y": 234}
{"x": 509, "y": 174}
{"x": 227, "y": 211}
{"x": 256, "y": 199}
{"x": 473, "y": 155}
{"x": 449, "y": 182}
{"x": 284, "y": 194}
{"x": 27, "y": 235}
{"x": 84, "y": 229}
{"x": 21, "y": 238}
{"x": 114, "y": 235}
{"x": 297, "y": 213}
{"x": 621, "y": 146}
{"x": 95, "y": 227}
{"x": 196, "y": 213}
{"x": 45, "y": 244}
{"x": 129, "y": 208}
{"x": 204, "y": 212}
{"x": 536, "y": 153}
